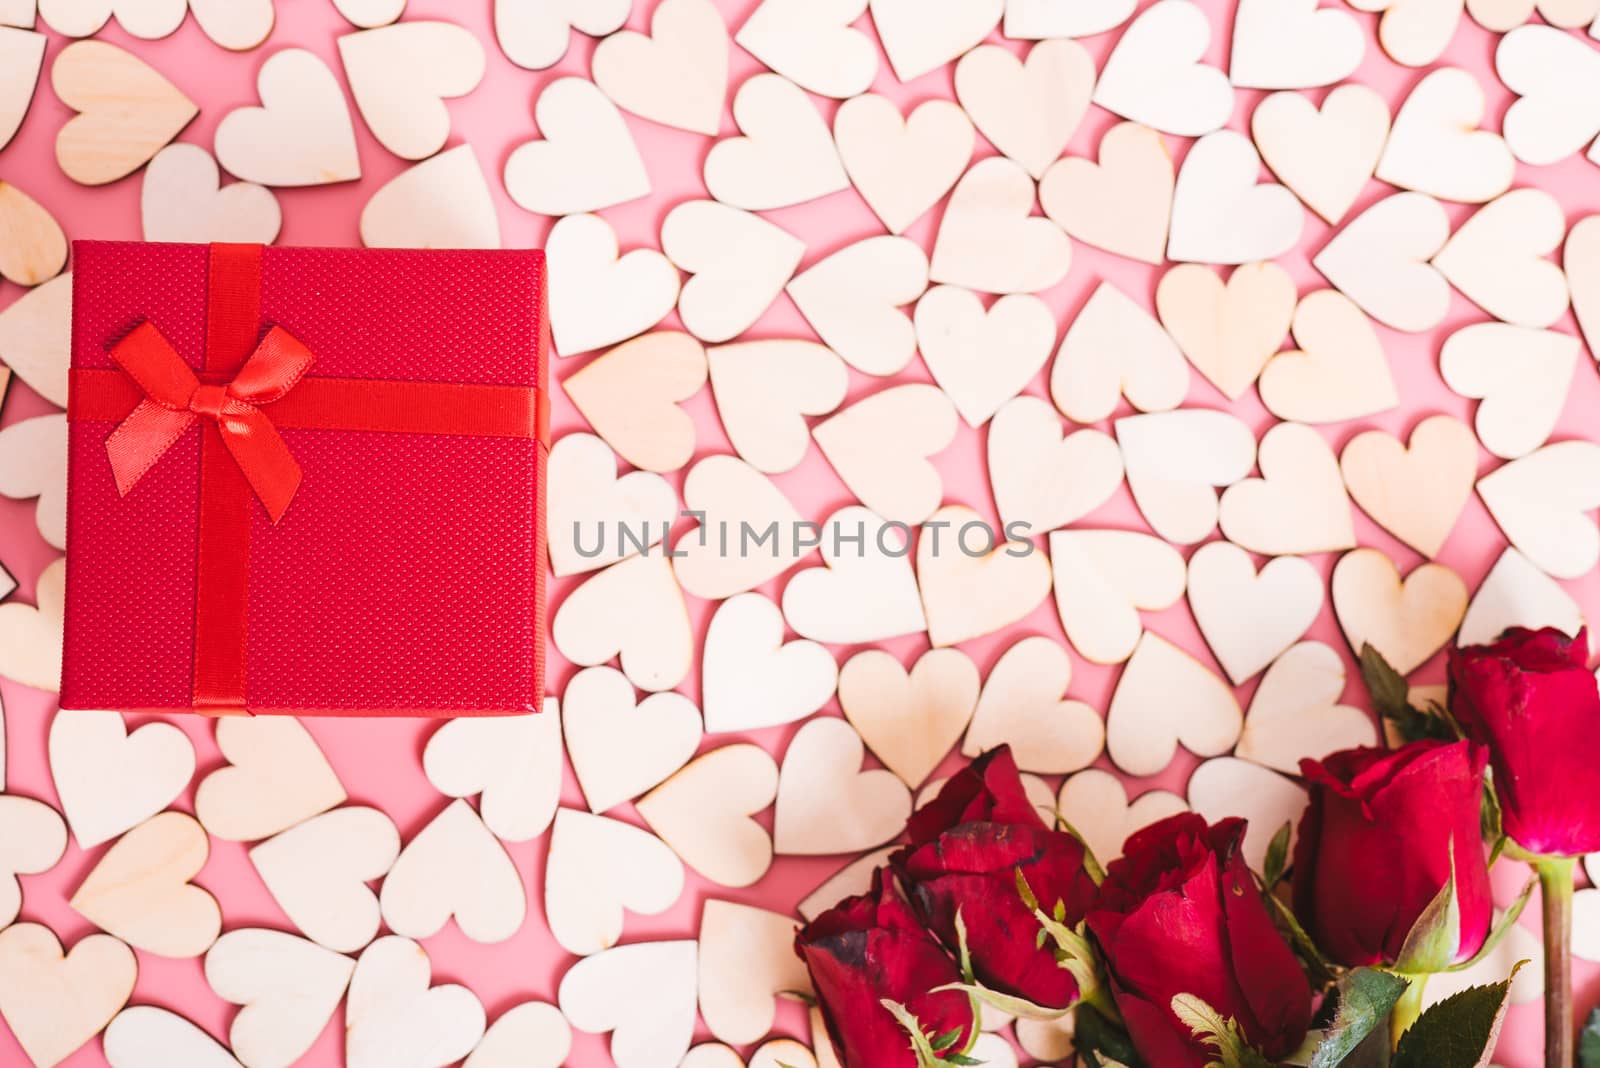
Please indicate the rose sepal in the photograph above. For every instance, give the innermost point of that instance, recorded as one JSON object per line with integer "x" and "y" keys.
{"x": 927, "y": 1048}
{"x": 1435, "y": 938}
{"x": 1221, "y": 1034}
{"x": 1508, "y": 920}
{"x": 1073, "y": 950}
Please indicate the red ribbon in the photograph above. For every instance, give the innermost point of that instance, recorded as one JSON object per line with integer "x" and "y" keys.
{"x": 252, "y": 386}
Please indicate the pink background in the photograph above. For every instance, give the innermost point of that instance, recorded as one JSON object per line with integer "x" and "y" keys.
{"x": 380, "y": 763}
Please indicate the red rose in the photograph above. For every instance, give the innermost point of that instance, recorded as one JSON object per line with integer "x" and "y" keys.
{"x": 1530, "y": 699}
{"x": 1181, "y": 914}
{"x": 869, "y": 949}
{"x": 1375, "y": 848}
{"x": 967, "y": 847}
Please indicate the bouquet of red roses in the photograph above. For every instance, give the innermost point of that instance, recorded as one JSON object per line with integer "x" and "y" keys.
{"x": 1177, "y": 955}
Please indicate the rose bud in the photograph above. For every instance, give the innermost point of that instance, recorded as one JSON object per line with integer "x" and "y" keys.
{"x": 1180, "y": 914}
{"x": 870, "y": 949}
{"x": 1376, "y": 846}
{"x": 1531, "y": 701}
{"x": 968, "y": 847}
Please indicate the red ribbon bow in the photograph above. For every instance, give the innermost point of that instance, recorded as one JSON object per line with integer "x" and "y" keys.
{"x": 175, "y": 399}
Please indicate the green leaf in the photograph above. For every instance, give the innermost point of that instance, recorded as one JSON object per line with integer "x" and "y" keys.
{"x": 1365, "y": 998}
{"x": 1460, "y": 1031}
{"x": 1277, "y": 857}
{"x": 1589, "y": 1042}
{"x": 1435, "y": 939}
{"x": 1508, "y": 920}
{"x": 965, "y": 954}
{"x": 922, "y": 1046}
{"x": 1096, "y": 1036}
{"x": 1222, "y": 1035}
{"x": 1006, "y": 1003}
{"x": 1391, "y": 697}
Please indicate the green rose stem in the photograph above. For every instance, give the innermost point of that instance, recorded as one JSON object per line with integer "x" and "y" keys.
{"x": 1407, "y": 1009}
{"x": 1555, "y": 885}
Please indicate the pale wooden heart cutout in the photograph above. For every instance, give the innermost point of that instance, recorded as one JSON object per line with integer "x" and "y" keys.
{"x": 1038, "y": 19}
{"x": 1339, "y": 372}
{"x": 287, "y": 989}
{"x": 30, "y": 638}
{"x": 812, "y": 43}
{"x": 982, "y": 358}
{"x": 1103, "y": 579}
{"x": 126, "y": 111}
{"x": 1522, "y": 377}
{"x": 1380, "y": 261}
{"x": 587, "y": 159}
{"x": 902, "y": 165}
{"x": 596, "y": 868}
{"x": 1297, "y": 506}
{"x": 1144, "y": 726}
{"x": 852, "y": 879}
{"x": 1041, "y": 479}
{"x": 454, "y": 868}
{"x": 825, "y": 803}
{"x": 866, "y": 593}
{"x": 1326, "y": 155}
{"x": 922, "y": 35}
{"x": 317, "y": 872}
{"x": 1296, "y": 712}
{"x": 1247, "y": 618}
{"x": 1095, "y": 804}
{"x": 140, "y": 890}
{"x": 533, "y": 1034}
{"x": 1228, "y": 331}
{"x": 853, "y": 299}
{"x": 21, "y": 59}
{"x": 1023, "y": 706}
{"x": 1416, "y": 492}
{"x": 513, "y": 762}
{"x": 764, "y": 389}
{"x": 634, "y": 611}
{"x": 678, "y": 75}
{"x": 442, "y": 202}
{"x": 1555, "y": 75}
{"x": 1154, "y": 75}
{"x": 1405, "y": 621}
{"x": 35, "y": 248}
{"x": 704, "y": 813}
{"x": 1221, "y": 214}
{"x": 598, "y": 298}
{"x": 751, "y": 678}
{"x": 33, "y": 464}
{"x": 1496, "y": 258}
{"x": 779, "y": 1053}
{"x": 143, "y": 1036}
{"x": 1543, "y": 503}
{"x": 620, "y": 750}
{"x": 370, "y": 13}
{"x": 1175, "y": 461}
{"x": 401, "y": 75}
{"x": 148, "y": 20}
{"x": 1435, "y": 145}
{"x": 633, "y": 394}
{"x": 739, "y": 264}
{"x": 879, "y": 446}
{"x": 1050, "y": 1040}
{"x": 1502, "y": 15}
{"x": 1229, "y": 786}
{"x": 33, "y": 839}
{"x": 393, "y": 1016}
{"x": 747, "y": 961}
{"x": 18, "y": 13}
{"x": 1028, "y": 109}
{"x": 786, "y": 155}
{"x": 55, "y": 1002}
{"x": 643, "y": 994}
{"x": 276, "y": 777}
{"x": 910, "y": 720}
{"x": 1123, "y": 203}
{"x": 1114, "y": 348}
{"x": 1517, "y": 594}
{"x": 36, "y": 335}
{"x": 1293, "y": 45}
{"x": 1414, "y": 32}
{"x": 595, "y": 518}
{"x": 182, "y": 201}
{"x": 535, "y": 33}
{"x": 300, "y": 135}
{"x": 974, "y": 583}
{"x": 988, "y": 241}
{"x": 235, "y": 25}
{"x": 1581, "y": 258}
{"x": 110, "y": 779}
{"x": 731, "y": 498}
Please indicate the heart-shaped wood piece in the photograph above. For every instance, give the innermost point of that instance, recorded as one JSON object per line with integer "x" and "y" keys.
{"x": 705, "y": 813}
{"x": 140, "y": 891}
{"x": 512, "y": 762}
{"x": 1144, "y": 726}
{"x": 597, "y": 867}
{"x": 55, "y": 1002}
{"x": 276, "y": 777}
{"x": 910, "y": 720}
{"x": 826, "y": 804}
{"x": 287, "y": 989}
{"x": 393, "y": 1016}
{"x": 1405, "y": 621}
{"x": 1296, "y": 712}
{"x": 618, "y": 749}
{"x": 318, "y": 872}
{"x": 1416, "y": 492}
{"x": 300, "y": 135}
{"x": 454, "y": 868}
{"x": 1023, "y": 705}
{"x": 126, "y": 111}
{"x": 110, "y": 779}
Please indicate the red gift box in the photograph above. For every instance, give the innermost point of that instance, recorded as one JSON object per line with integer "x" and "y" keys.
{"x": 306, "y": 481}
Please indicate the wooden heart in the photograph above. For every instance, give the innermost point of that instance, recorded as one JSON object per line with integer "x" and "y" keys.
{"x": 110, "y": 779}
{"x": 1297, "y": 506}
{"x": 393, "y": 1016}
{"x": 454, "y": 868}
{"x": 140, "y": 891}
{"x": 300, "y": 135}
{"x": 852, "y": 300}
{"x": 1038, "y": 19}
{"x": 982, "y": 358}
{"x": 36, "y": 333}
{"x": 765, "y": 389}
{"x": 318, "y": 873}
{"x": 1266, "y": 800}
{"x": 910, "y": 720}
{"x": 973, "y": 582}
{"x": 1543, "y": 504}
{"x": 879, "y": 446}
{"x": 705, "y": 813}
{"x": 1405, "y": 621}
{"x": 1154, "y": 75}
{"x": 1414, "y": 32}
{"x": 1229, "y": 332}
{"x": 633, "y": 397}
{"x": 370, "y": 13}
{"x": 127, "y": 111}
{"x": 32, "y": 840}
{"x": 1326, "y": 155}
{"x": 149, "y": 20}
{"x": 751, "y": 678}
{"x": 1220, "y": 214}
{"x": 30, "y": 638}
{"x": 620, "y": 750}
{"x": 182, "y": 201}
{"x": 1581, "y": 258}
{"x": 1517, "y": 594}
{"x": 1502, "y": 15}
{"x": 1144, "y": 726}
{"x": 1554, "y": 75}
{"x": 813, "y": 44}
{"x": 587, "y": 160}
{"x": 1114, "y": 348}
{"x": 1380, "y": 261}
{"x": 922, "y": 35}
{"x": 536, "y": 35}
{"x": 442, "y": 202}
{"x": 988, "y": 241}
{"x": 1103, "y": 579}
{"x": 1497, "y": 258}
{"x": 598, "y": 298}
{"x": 143, "y": 1036}
{"x": 901, "y": 165}
{"x": 786, "y": 155}
{"x": 852, "y": 879}
{"x": 747, "y": 961}
{"x": 1176, "y": 460}
{"x": 738, "y": 261}
{"x": 643, "y": 994}
{"x": 1416, "y": 492}
{"x": 1041, "y": 479}
{"x": 513, "y": 762}
{"x": 236, "y": 26}
{"x": 1023, "y": 706}
{"x": 678, "y": 75}
{"x": 1522, "y": 394}
{"x": 1338, "y": 373}
{"x": 275, "y": 778}
{"x": 35, "y": 248}
{"x": 1296, "y": 712}
{"x": 1435, "y": 145}
{"x": 596, "y": 868}
{"x": 55, "y": 1002}
{"x": 1248, "y": 619}
{"x": 21, "y": 58}
{"x": 287, "y": 989}
{"x": 737, "y": 504}
{"x": 33, "y": 463}
{"x": 1123, "y": 203}
{"x": 1294, "y": 45}
{"x": 533, "y": 1034}
{"x": 401, "y": 75}
{"x": 1028, "y": 109}
{"x": 825, "y": 803}
{"x": 867, "y": 592}
{"x": 634, "y": 612}
{"x": 1095, "y": 804}
{"x": 594, "y": 517}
